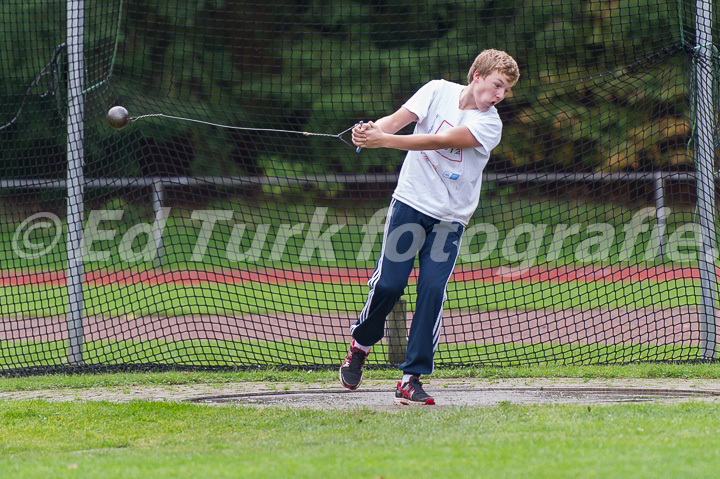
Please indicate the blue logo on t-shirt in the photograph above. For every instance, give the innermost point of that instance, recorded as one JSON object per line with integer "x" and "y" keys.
{"x": 450, "y": 175}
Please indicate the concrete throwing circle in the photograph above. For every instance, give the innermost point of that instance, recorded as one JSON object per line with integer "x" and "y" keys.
{"x": 472, "y": 396}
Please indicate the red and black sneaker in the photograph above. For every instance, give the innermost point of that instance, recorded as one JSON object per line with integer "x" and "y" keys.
{"x": 351, "y": 371}
{"x": 412, "y": 394}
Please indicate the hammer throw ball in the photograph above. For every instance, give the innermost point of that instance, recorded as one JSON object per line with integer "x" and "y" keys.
{"x": 118, "y": 117}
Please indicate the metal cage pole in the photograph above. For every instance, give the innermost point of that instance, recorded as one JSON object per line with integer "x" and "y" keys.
{"x": 75, "y": 178}
{"x": 706, "y": 182}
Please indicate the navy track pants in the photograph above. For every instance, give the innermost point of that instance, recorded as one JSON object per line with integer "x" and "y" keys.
{"x": 409, "y": 234}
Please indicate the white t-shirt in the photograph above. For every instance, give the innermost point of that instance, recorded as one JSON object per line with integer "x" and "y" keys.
{"x": 445, "y": 184}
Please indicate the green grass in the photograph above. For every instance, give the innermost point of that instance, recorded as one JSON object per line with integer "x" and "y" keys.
{"x": 502, "y": 209}
{"x": 304, "y": 354}
{"x": 141, "y": 439}
{"x": 208, "y": 353}
{"x": 571, "y": 295}
{"x": 303, "y": 298}
{"x": 166, "y": 440}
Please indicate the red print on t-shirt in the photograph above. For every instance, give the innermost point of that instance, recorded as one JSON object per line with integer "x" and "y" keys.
{"x": 451, "y": 154}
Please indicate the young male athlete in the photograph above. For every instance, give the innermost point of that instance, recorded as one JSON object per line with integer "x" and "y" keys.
{"x": 437, "y": 193}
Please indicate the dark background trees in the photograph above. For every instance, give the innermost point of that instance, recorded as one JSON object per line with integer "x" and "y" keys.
{"x": 604, "y": 86}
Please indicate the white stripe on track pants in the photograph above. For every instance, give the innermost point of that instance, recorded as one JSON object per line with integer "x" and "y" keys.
{"x": 409, "y": 234}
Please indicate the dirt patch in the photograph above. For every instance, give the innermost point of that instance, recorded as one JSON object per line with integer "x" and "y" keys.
{"x": 376, "y": 394}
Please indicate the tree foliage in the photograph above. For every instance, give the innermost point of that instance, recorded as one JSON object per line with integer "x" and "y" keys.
{"x": 604, "y": 84}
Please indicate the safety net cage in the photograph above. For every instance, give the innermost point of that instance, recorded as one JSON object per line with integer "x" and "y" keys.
{"x": 178, "y": 185}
